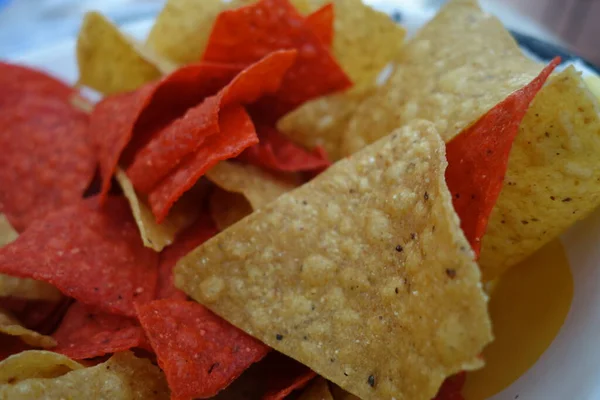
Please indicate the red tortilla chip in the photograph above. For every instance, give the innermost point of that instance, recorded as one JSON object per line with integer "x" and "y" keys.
{"x": 246, "y": 34}
{"x": 122, "y": 123}
{"x": 199, "y": 352}
{"x": 47, "y": 160}
{"x": 185, "y": 135}
{"x": 186, "y": 241}
{"x": 236, "y": 134}
{"x": 276, "y": 152}
{"x": 18, "y": 81}
{"x": 478, "y": 158}
{"x": 321, "y": 23}
{"x": 92, "y": 254}
{"x": 86, "y": 332}
{"x": 452, "y": 387}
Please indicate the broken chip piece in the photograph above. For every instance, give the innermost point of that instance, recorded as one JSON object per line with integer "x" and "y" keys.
{"x": 395, "y": 226}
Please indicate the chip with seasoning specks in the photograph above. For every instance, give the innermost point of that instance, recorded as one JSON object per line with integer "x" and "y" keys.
{"x": 340, "y": 277}
{"x": 122, "y": 377}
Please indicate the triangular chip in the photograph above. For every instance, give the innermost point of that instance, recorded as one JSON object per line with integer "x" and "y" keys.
{"x": 385, "y": 254}
{"x": 93, "y": 254}
{"x": 122, "y": 377}
{"x": 318, "y": 390}
{"x": 321, "y": 23}
{"x": 9, "y": 325}
{"x": 200, "y": 353}
{"x": 34, "y": 364}
{"x": 456, "y": 68}
{"x": 552, "y": 177}
{"x": 86, "y": 332}
{"x": 109, "y": 61}
{"x": 23, "y": 288}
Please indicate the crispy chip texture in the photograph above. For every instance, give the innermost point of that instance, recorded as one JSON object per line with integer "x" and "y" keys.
{"x": 33, "y": 364}
{"x": 318, "y": 390}
{"x": 256, "y": 185}
{"x": 87, "y": 333}
{"x": 11, "y": 286}
{"x": 9, "y": 325}
{"x": 227, "y": 208}
{"x": 456, "y": 68}
{"x": 123, "y": 377}
{"x": 108, "y": 61}
{"x": 200, "y": 353}
{"x": 91, "y": 253}
{"x": 384, "y": 237}
{"x": 552, "y": 177}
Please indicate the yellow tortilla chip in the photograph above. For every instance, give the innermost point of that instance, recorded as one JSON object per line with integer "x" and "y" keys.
{"x": 318, "y": 390}
{"x": 255, "y": 184}
{"x": 362, "y": 250}
{"x": 593, "y": 83}
{"x": 24, "y": 288}
{"x": 154, "y": 235}
{"x": 553, "y": 177}
{"x": 35, "y": 364}
{"x": 227, "y": 208}
{"x": 109, "y": 61}
{"x": 9, "y": 325}
{"x": 456, "y": 68}
{"x": 340, "y": 394}
{"x": 123, "y": 377}
{"x": 321, "y": 122}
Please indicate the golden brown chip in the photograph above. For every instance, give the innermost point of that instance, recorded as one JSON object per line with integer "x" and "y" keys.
{"x": 23, "y": 288}
{"x": 456, "y": 68}
{"x": 553, "y": 177}
{"x": 255, "y": 184}
{"x": 362, "y": 250}
{"x": 322, "y": 122}
{"x": 109, "y": 61}
{"x": 154, "y": 235}
{"x": 227, "y": 208}
{"x": 123, "y": 377}
{"x": 340, "y": 394}
{"x": 9, "y": 325}
{"x": 35, "y": 364}
{"x": 318, "y": 390}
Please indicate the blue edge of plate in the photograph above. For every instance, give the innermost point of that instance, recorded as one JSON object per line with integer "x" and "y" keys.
{"x": 544, "y": 50}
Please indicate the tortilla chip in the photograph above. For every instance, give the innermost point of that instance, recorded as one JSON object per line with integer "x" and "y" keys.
{"x": 322, "y": 122}
{"x": 123, "y": 377}
{"x": 9, "y": 325}
{"x": 87, "y": 333}
{"x": 154, "y": 235}
{"x": 186, "y": 241}
{"x": 456, "y": 68}
{"x": 227, "y": 208}
{"x": 593, "y": 84}
{"x": 200, "y": 353}
{"x": 276, "y": 152}
{"x": 186, "y": 135}
{"x": 478, "y": 158}
{"x": 256, "y": 185}
{"x": 47, "y": 159}
{"x": 92, "y": 254}
{"x": 340, "y": 394}
{"x": 235, "y": 39}
{"x": 552, "y": 178}
{"x": 321, "y": 23}
{"x": 109, "y": 61}
{"x": 291, "y": 376}
{"x": 35, "y": 364}
{"x": 7, "y": 232}
{"x": 318, "y": 390}
{"x": 396, "y": 247}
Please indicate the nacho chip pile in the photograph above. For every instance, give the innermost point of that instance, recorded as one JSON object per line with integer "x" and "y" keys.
{"x": 191, "y": 235}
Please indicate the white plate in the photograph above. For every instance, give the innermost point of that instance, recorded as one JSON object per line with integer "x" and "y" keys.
{"x": 570, "y": 367}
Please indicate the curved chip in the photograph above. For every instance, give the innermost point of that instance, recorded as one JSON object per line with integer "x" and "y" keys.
{"x": 85, "y": 332}
{"x": 9, "y": 325}
{"x": 200, "y": 353}
{"x": 33, "y": 364}
{"x": 109, "y": 61}
{"x": 383, "y": 236}
{"x": 90, "y": 253}
{"x": 122, "y": 377}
